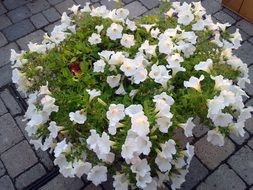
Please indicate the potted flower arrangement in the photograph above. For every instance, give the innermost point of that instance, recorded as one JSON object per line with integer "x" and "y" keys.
{"x": 106, "y": 94}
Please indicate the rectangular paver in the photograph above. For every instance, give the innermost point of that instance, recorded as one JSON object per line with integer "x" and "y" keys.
{"x": 5, "y": 53}
{"x": 35, "y": 37}
{"x": 9, "y": 133}
{"x": 19, "y": 158}
{"x": 10, "y": 102}
{"x": 136, "y": 9}
{"x": 38, "y": 5}
{"x": 6, "y": 183}
{"x": 39, "y": 20}
{"x": 19, "y": 14}
{"x": 51, "y": 14}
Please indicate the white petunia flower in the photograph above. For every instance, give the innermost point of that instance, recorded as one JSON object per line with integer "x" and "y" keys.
{"x": 115, "y": 112}
{"x": 80, "y": 168}
{"x": 97, "y": 175}
{"x": 74, "y": 9}
{"x": 143, "y": 181}
{"x": 163, "y": 162}
{"x": 121, "y": 90}
{"x": 114, "y": 32}
{"x": 194, "y": 83}
{"x": 95, "y": 39}
{"x": 54, "y": 129}
{"x": 155, "y": 32}
{"x": 133, "y": 110}
{"x": 215, "y": 137}
{"x": 61, "y": 147}
{"x": 160, "y": 74}
{"x": 99, "y": 66}
{"x": 238, "y": 129}
{"x": 140, "y": 124}
{"x": 140, "y": 75}
{"x": 93, "y": 93}
{"x": 204, "y": 66}
{"x": 117, "y": 59}
{"x": 131, "y": 25}
{"x": 120, "y": 182}
{"x": 128, "y": 67}
{"x": 86, "y": 8}
{"x": 127, "y": 40}
{"x": 113, "y": 80}
{"x": 99, "y": 28}
{"x": 78, "y": 117}
{"x": 188, "y": 126}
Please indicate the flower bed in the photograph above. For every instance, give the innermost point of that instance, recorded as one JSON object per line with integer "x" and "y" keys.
{"x": 107, "y": 94}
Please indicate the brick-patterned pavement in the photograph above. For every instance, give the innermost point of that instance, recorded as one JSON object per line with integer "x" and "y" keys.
{"x": 21, "y": 21}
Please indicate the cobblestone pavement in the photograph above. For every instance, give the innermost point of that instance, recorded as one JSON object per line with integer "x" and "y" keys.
{"x": 21, "y": 21}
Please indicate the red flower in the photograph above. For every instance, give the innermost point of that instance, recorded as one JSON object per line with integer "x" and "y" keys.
{"x": 75, "y": 68}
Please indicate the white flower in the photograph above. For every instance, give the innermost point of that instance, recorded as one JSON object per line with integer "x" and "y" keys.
{"x": 120, "y": 182}
{"x": 93, "y": 93}
{"x": 163, "y": 162}
{"x": 74, "y": 9}
{"x": 194, "y": 83}
{"x": 114, "y": 32}
{"x": 204, "y": 66}
{"x": 86, "y": 8}
{"x": 113, "y": 80}
{"x": 143, "y": 181}
{"x": 238, "y": 129}
{"x": 160, "y": 74}
{"x": 185, "y": 15}
{"x": 121, "y": 90}
{"x": 131, "y": 25}
{"x": 215, "y": 137}
{"x": 140, "y": 75}
{"x": 155, "y": 32}
{"x": 99, "y": 66}
{"x": 116, "y": 112}
{"x": 164, "y": 123}
{"x": 222, "y": 119}
{"x": 61, "y": 147}
{"x": 99, "y": 28}
{"x": 121, "y": 12}
{"x": 188, "y": 126}
{"x": 128, "y": 67}
{"x": 116, "y": 59}
{"x": 78, "y": 117}
{"x": 221, "y": 83}
{"x": 149, "y": 50}
{"x": 140, "y": 124}
{"x": 54, "y": 129}
{"x": 81, "y": 168}
{"x": 127, "y": 40}
{"x": 100, "y": 11}
{"x": 141, "y": 167}
{"x": 147, "y": 26}
{"x": 133, "y": 110}
{"x": 97, "y": 175}
{"x": 95, "y": 39}
{"x": 105, "y": 55}
{"x": 169, "y": 148}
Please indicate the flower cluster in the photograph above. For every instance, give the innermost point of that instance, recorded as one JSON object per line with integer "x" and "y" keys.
{"x": 107, "y": 94}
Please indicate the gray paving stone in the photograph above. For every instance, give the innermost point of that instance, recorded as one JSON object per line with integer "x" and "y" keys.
{"x": 29, "y": 176}
{"x": 38, "y": 5}
{"x": 180, "y": 138}
{"x": 5, "y": 53}
{"x": 3, "y": 109}
{"x": 61, "y": 183}
{"x": 22, "y": 125}
{"x": 3, "y": 40}
{"x": 108, "y": 184}
{"x": 224, "y": 17}
{"x": 250, "y": 143}
{"x": 19, "y": 14}
{"x": 211, "y": 6}
{"x": 150, "y": 4}
{"x": 109, "y": 4}
{"x": 45, "y": 159}
{"x": 39, "y": 20}
{"x": 242, "y": 163}
{"x": 63, "y": 6}
{"x": 245, "y": 26}
{"x": 92, "y": 187}
{"x": 136, "y": 9}
{"x": 4, "y": 22}
{"x": 53, "y": 2}
{"x": 199, "y": 130}
{"x": 239, "y": 140}
{"x": 249, "y": 87}
{"x": 197, "y": 172}
{"x": 154, "y": 11}
{"x": 6, "y": 183}
{"x": 6, "y": 74}
{"x": 222, "y": 179}
{"x": 232, "y": 14}
{"x": 10, "y": 102}
{"x": 212, "y": 155}
{"x": 35, "y": 37}
{"x": 51, "y": 14}
{"x": 245, "y": 52}
{"x": 127, "y": 1}
{"x": 9, "y": 133}
{"x": 2, "y": 169}
{"x": 19, "y": 158}
{"x": 12, "y": 4}
{"x": 251, "y": 40}
{"x": 2, "y": 9}
{"x": 81, "y": 2}
{"x": 18, "y": 30}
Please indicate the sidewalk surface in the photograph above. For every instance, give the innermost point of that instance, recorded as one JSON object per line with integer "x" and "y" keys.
{"x": 21, "y": 21}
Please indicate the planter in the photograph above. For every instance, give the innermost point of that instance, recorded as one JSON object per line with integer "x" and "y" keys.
{"x": 107, "y": 95}
{"x": 242, "y": 7}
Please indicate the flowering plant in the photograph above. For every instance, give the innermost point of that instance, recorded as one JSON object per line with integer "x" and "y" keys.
{"x": 106, "y": 94}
